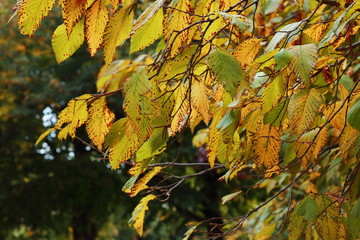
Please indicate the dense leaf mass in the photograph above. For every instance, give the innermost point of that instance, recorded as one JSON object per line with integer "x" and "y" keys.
{"x": 270, "y": 87}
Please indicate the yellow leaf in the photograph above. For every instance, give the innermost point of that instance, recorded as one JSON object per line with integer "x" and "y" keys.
{"x": 96, "y": 19}
{"x": 111, "y": 77}
{"x": 75, "y": 114}
{"x": 117, "y": 31}
{"x": 275, "y": 170}
{"x": 99, "y": 121}
{"x": 141, "y": 184}
{"x": 296, "y": 226}
{"x": 176, "y": 20}
{"x": 273, "y": 93}
{"x": 174, "y": 69}
{"x": 265, "y": 60}
{"x": 138, "y": 104}
{"x": 63, "y": 45}
{"x": 213, "y": 139}
{"x": 139, "y": 167}
{"x": 43, "y": 135}
{"x": 138, "y": 215}
{"x": 254, "y": 119}
{"x": 355, "y": 94}
{"x": 246, "y": 52}
{"x": 152, "y": 29}
{"x": 149, "y": 24}
{"x": 315, "y": 31}
{"x": 210, "y": 29}
{"x": 320, "y": 141}
{"x": 229, "y": 197}
{"x": 31, "y": 12}
{"x": 268, "y": 146}
{"x": 327, "y": 227}
{"x": 195, "y": 119}
{"x": 200, "y": 99}
{"x": 348, "y": 139}
{"x": 200, "y": 138}
{"x": 301, "y": 4}
{"x": 266, "y": 232}
{"x": 123, "y": 148}
{"x": 116, "y": 3}
{"x": 181, "y": 110}
{"x": 304, "y": 147}
{"x": 303, "y": 61}
{"x": 303, "y": 108}
{"x": 73, "y": 11}
{"x": 191, "y": 230}
{"x": 336, "y": 113}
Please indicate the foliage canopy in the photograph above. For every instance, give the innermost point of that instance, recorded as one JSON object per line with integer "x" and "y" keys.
{"x": 268, "y": 87}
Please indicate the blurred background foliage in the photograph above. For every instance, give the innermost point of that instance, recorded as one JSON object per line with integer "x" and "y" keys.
{"x": 61, "y": 190}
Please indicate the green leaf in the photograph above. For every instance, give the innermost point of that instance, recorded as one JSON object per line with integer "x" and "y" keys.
{"x": 227, "y": 70}
{"x": 229, "y": 197}
{"x": 354, "y": 219}
{"x": 355, "y": 211}
{"x": 339, "y": 24}
{"x": 296, "y": 226}
{"x": 228, "y": 119}
{"x": 273, "y": 93}
{"x": 234, "y": 19}
{"x": 308, "y": 209}
{"x": 353, "y": 115}
{"x": 289, "y": 30}
{"x": 190, "y": 231}
{"x": 283, "y": 58}
{"x": 153, "y": 146}
{"x": 130, "y": 183}
{"x": 259, "y": 79}
{"x": 303, "y": 61}
{"x": 116, "y": 132}
{"x": 276, "y": 115}
{"x": 138, "y": 105}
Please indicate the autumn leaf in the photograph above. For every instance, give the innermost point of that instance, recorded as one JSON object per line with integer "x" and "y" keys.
{"x": 303, "y": 108}
{"x": 246, "y": 52}
{"x": 99, "y": 121}
{"x": 31, "y": 13}
{"x": 95, "y": 23}
{"x": 63, "y": 45}
{"x": 149, "y": 24}
{"x": 268, "y": 146}
{"x": 176, "y": 22}
{"x": 73, "y": 11}
{"x": 115, "y": 35}
{"x": 138, "y": 215}
{"x": 75, "y": 114}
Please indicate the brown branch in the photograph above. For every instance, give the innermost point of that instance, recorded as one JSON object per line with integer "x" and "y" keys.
{"x": 330, "y": 3}
{"x": 351, "y": 46}
{"x": 182, "y": 164}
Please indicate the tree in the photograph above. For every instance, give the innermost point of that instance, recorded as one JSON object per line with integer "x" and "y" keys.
{"x": 267, "y": 89}
{"x": 42, "y": 188}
